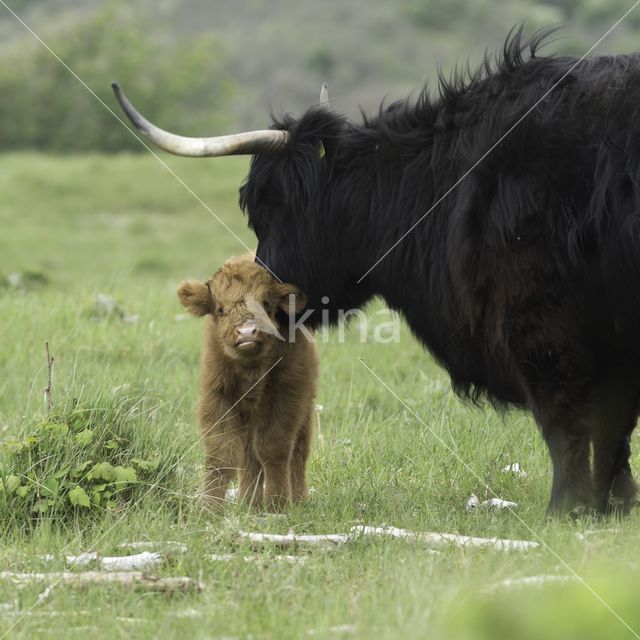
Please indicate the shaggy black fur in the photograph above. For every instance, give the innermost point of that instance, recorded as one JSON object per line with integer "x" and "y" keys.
{"x": 524, "y": 282}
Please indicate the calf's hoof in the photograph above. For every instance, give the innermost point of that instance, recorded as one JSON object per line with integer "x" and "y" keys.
{"x": 277, "y": 504}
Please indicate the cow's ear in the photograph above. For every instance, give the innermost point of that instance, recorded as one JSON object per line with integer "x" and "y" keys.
{"x": 291, "y": 299}
{"x": 196, "y": 297}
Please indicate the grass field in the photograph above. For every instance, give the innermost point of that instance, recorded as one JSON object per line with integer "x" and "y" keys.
{"x": 123, "y": 227}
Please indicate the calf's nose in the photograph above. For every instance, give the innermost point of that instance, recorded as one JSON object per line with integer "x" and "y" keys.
{"x": 247, "y": 329}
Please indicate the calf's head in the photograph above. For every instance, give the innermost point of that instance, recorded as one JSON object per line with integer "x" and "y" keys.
{"x": 249, "y": 308}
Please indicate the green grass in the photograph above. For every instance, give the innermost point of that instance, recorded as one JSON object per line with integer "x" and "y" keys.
{"x": 122, "y": 226}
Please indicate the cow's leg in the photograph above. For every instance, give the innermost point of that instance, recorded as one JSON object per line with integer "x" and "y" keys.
{"x": 299, "y": 459}
{"x": 251, "y": 480}
{"x": 571, "y": 486}
{"x": 609, "y": 473}
{"x": 612, "y": 421}
{"x": 556, "y": 375}
{"x": 624, "y": 489}
{"x": 568, "y": 441}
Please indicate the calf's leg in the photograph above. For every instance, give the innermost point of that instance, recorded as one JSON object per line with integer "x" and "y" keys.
{"x": 273, "y": 450}
{"x": 223, "y": 451}
{"x": 277, "y": 483}
{"x": 251, "y": 480}
{"x": 219, "y": 473}
{"x": 299, "y": 460}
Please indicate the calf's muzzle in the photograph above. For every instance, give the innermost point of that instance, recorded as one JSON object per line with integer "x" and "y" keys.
{"x": 246, "y": 333}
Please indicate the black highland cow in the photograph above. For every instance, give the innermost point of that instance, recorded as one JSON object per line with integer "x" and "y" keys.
{"x": 524, "y": 282}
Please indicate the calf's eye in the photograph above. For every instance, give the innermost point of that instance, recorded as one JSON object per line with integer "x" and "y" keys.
{"x": 221, "y": 311}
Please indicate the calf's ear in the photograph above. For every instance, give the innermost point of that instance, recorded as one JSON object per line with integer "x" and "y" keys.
{"x": 196, "y": 297}
{"x": 292, "y": 300}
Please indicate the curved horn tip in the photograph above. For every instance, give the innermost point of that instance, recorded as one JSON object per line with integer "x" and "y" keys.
{"x": 250, "y": 142}
{"x": 324, "y": 94}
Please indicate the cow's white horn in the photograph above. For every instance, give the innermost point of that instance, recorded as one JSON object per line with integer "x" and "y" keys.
{"x": 247, "y": 143}
{"x": 324, "y": 95}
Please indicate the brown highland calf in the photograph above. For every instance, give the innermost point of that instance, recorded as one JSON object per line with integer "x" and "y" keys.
{"x": 258, "y": 384}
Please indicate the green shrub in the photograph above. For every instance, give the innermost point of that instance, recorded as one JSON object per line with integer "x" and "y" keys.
{"x": 84, "y": 460}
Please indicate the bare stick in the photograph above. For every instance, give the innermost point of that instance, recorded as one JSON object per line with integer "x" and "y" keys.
{"x": 446, "y": 539}
{"x": 146, "y": 560}
{"x": 44, "y": 596}
{"x": 292, "y": 540}
{"x": 138, "y": 562}
{"x": 83, "y": 579}
{"x": 167, "y": 546}
{"x": 230, "y": 557}
{"x": 47, "y": 389}
{"x": 528, "y": 581}
{"x": 430, "y": 540}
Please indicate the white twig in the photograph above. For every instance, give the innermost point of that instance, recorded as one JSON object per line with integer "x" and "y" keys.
{"x": 331, "y": 540}
{"x": 495, "y": 504}
{"x": 347, "y": 629}
{"x": 515, "y": 469}
{"x": 528, "y": 581}
{"x": 136, "y": 562}
{"x": 446, "y": 539}
{"x": 151, "y": 559}
{"x": 230, "y": 557}
{"x": 589, "y": 533}
{"x": 168, "y": 546}
{"x": 44, "y": 596}
{"x": 188, "y": 613}
{"x": 81, "y": 560}
{"x": 291, "y": 540}
{"x": 83, "y": 579}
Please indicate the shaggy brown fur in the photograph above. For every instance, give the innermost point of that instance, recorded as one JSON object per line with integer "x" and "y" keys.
{"x": 257, "y": 385}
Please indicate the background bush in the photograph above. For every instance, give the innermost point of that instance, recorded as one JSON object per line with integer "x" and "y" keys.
{"x": 182, "y": 83}
{"x": 202, "y": 67}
